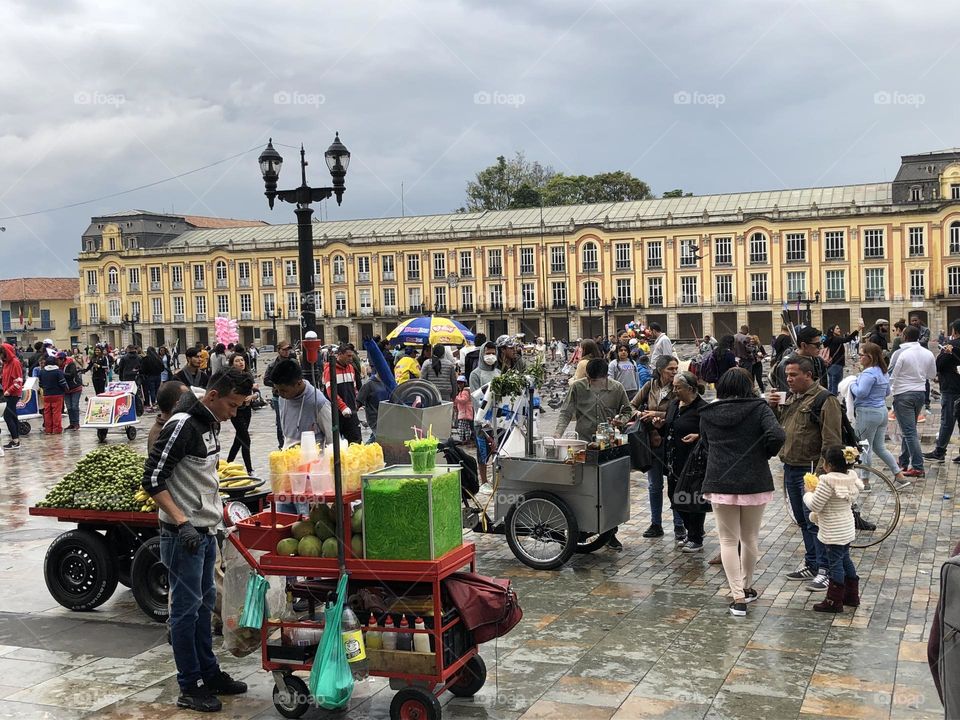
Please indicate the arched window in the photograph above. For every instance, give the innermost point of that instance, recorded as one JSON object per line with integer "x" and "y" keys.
{"x": 590, "y": 257}
{"x": 758, "y": 249}
{"x": 339, "y": 265}
{"x": 955, "y": 238}
{"x": 591, "y": 294}
{"x": 221, "y": 270}
{"x": 113, "y": 279}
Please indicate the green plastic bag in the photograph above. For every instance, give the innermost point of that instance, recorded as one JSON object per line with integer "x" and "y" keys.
{"x": 253, "y": 603}
{"x": 331, "y": 681}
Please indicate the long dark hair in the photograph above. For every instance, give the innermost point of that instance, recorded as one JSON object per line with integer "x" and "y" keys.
{"x": 436, "y": 362}
{"x": 589, "y": 349}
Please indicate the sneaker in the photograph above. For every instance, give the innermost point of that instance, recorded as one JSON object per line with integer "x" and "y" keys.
{"x": 201, "y": 699}
{"x": 614, "y": 543}
{"x": 801, "y": 573}
{"x": 680, "y": 534}
{"x": 866, "y": 487}
{"x": 692, "y": 547}
{"x": 653, "y": 531}
{"x": 956, "y": 459}
{"x": 819, "y": 584}
{"x": 12, "y": 445}
{"x": 914, "y": 473}
{"x": 750, "y": 595}
{"x": 901, "y": 484}
{"x": 738, "y": 609}
{"x": 223, "y": 684}
{"x": 935, "y": 455}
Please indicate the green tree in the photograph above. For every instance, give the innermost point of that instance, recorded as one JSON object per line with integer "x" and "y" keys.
{"x": 525, "y": 197}
{"x": 676, "y": 193}
{"x": 496, "y": 187}
{"x": 618, "y": 186}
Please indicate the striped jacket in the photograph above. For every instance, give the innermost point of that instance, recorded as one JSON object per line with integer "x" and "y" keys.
{"x": 830, "y": 507}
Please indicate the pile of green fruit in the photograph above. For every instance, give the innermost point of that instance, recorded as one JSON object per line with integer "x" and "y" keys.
{"x": 317, "y": 536}
{"x": 106, "y": 479}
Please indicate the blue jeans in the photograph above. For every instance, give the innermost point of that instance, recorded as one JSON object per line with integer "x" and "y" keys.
{"x": 814, "y": 552}
{"x": 655, "y": 489}
{"x": 907, "y": 406}
{"x": 841, "y": 566}
{"x": 151, "y": 386}
{"x": 947, "y": 418}
{"x": 193, "y": 597}
{"x": 72, "y": 403}
{"x": 834, "y": 376}
{"x": 871, "y": 425}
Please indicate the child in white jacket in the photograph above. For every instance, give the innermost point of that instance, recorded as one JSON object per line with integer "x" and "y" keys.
{"x": 830, "y": 499}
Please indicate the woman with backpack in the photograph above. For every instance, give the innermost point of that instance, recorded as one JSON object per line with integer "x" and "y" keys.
{"x": 716, "y": 363}
{"x": 71, "y": 399}
{"x": 624, "y": 370}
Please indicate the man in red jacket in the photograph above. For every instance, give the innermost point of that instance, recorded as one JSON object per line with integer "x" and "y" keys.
{"x": 346, "y": 394}
{"x": 11, "y": 383}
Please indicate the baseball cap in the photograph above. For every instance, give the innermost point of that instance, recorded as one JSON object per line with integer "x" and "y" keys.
{"x": 882, "y": 321}
{"x": 461, "y": 378}
{"x": 48, "y": 341}
{"x": 506, "y": 341}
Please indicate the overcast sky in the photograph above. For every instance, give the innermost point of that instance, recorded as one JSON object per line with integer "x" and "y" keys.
{"x": 98, "y": 97}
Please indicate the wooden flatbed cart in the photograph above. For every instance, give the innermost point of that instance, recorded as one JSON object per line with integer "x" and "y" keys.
{"x": 462, "y": 673}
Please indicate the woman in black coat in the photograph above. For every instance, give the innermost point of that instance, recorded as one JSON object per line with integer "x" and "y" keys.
{"x": 681, "y": 430}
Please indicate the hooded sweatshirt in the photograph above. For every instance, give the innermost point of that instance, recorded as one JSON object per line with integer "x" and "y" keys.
{"x": 52, "y": 380}
{"x": 308, "y": 411}
{"x": 830, "y": 507}
{"x": 11, "y": 377}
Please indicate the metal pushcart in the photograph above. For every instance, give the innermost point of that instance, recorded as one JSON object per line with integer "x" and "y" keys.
{"x": 28, "y": 407}
{"x": 115, "y": 408}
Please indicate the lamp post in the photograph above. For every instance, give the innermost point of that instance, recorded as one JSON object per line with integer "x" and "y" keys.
{"x": 606, "y": 316}
{"x": 130, "y": 323}
{"x": 273, "y": 317}
{"x": 570, "y": 308}
{"x": 816, "y": 299}
{"x": 338, "y": 159}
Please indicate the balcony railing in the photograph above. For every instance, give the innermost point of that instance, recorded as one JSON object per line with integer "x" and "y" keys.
{"x": 94, "y": 319}
{"x": 317, "y": 278}
{"x": 440, "y": 309}
{"x": 467, "y": 308}
{"x": 390, "y": 311}
{"x": 656, "y": 301}
{"x": 526, "y": 269}
{"x": 875, "y": 295}
{"x": 723, "y": 261}
{"x": 156, "y": 318}
{"x": 624, "y": 302}
{"x": 363, "y": 277}
{"x": 179, "y": 317}
{"x": 113, "y": 320}
{"x": 246, "y": 315}
{"x": 177, "y": 285}
{"x": 266, "y": 281}
{"x": 74, "y": 324}
{"x": 135, "y": 287}
{"x": 113, "y": 287}
{"x": 198, "y": 284}
{"x": 496, "y": 306}
{"x": 222, "y": 283}
{"x": 691, "y": 299}
{"x": 590, "y": 267}
{"x": 591, "y": 304}
{"x": 723, "y": 299}
{"x": 243, "y": 282}
{"x": 389, "y": 276}
{"x": 654, "y": 264}
{"x": 92, "y": 290}
{"x": 340, "y": 313}
{"x": 415, "y": 310}
{"x": 366, "y": 312}
{"x": 623, "y": 266}
{"x": 339, "y": 277}
{"x": 558, "y": 268}
{"x": 466, "y": 272}
{"x": 413, "y": 276}
{"x": 496, "y": 271}
{"x": 200, "y": 317}
{"x": 155, "y": 286}
{"x": 290, "y": 280}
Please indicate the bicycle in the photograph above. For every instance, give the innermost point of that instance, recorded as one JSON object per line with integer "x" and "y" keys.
{"x": 877, "y": 512}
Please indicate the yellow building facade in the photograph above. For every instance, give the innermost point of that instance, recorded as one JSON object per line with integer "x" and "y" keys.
{"x": 40, "y": 308}
{"x": 695, "y": 265}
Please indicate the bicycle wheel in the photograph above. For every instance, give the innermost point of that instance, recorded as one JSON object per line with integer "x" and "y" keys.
{"x": 880, "y": 508}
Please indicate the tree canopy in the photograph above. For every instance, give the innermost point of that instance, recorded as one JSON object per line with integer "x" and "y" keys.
{"x": 676, "y": 193}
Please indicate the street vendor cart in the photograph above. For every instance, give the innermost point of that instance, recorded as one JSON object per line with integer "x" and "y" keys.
{"x": 29, "y": 407}
{"x": 115, "y": 408}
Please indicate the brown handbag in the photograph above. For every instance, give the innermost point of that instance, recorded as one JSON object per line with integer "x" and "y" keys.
{"x": 488, "y": 606}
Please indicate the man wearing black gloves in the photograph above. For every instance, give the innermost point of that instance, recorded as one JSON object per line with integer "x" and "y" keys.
{"x": 181, "y": 475}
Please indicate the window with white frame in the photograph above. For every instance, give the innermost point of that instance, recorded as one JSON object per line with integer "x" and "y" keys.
{"x": 558, "y": 259}
{"x": 176, "y": 275}
{"x": 916, "y": 247}
{"x": 414, "y": 299}
{"x": 723, "y": 292}
{"x": 93, "y": 309}
{"x": 223, "y": 304}
{"x": 390, "y": 299}
{"x": 955, "y": 191}
{"x": 466, "y": 263}
{"x": 873, "y": 243}
{"x": 796, "y": 247}
{"x": 113, "y": 279}
{"x": 92, "y": 277}
{"x": 439, "y": 265}
{"x": 624, "y": 292}
{"x": 220, "y": 268}
{"x": 200, "y": 304}
{"x": 266, "y": 272}
{"x": 366, "y": 301}
{"x": 243, "y": 273}
{"x": 293, "y": 304}
{"x": 918, "y": 285}
{"x": 759, "y": 254}
{"x": 526, "y": 260}
{"x": 723, "y": 251}
{"x": 953, "y": 280}
{"x": 623, "y": 255}
{"x": 413, "y": 266}
{"x": 836, "y": 285}
{"x": 269, "y": 303}
{"x": 340, "y": 303}
{"x": 689, "y": 290}
{"x": 916, "y": 193}
{"x": 155, "y": 275}
{"x": 955, "y": 238}
{"x": 655, "y": 291}
{"x": 440, "y": 298}
{"x": 134, "y": 276}
{"x": 113, "y": 310}
{"x": 317, "y": 269}
{"x": 495, "y": 262}
{"x": 466, "y": 298}
{"x": 199, "y": 275}
{"x": 759, "y": 288}
{"x": 558, "y": 293}
{"x": 591, "y": 294}
{"x": 496, "y": 297}
{"x": 796, "y": 285}
{"x": 387, "y": 266}
{"x": 317, "y": 301}
{"x": 875, "y": 284}
{"x": 339, "y": 263}
{"x": 363, "y": 267}
{"x": 590, "y": 257}
{"x": 246, "y": 303}
{"x": 834, "y": 242}
{"x": 528, "y": 296}
{"x": 179, "y": 305}
{"x": 654, "y": 254}
{"x": 688, "y": 253}
{"x": 290, "y": 269}
{"x": 135, "y": 309}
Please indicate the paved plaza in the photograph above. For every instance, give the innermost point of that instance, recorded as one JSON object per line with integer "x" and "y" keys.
{"x": 641, "y": 634}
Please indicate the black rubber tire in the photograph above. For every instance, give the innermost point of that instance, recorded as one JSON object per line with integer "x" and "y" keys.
{"x": 413, "y": 703}
{"x": 597, "y": 542}
{"x": 101, "y": 434}
{"x": 409, "y": 390}
{"x": 148, "y": 580}
{"x": 570, "y": 542}
{"x": 471, "y": 678}
{"x": 24, "y": 427}
{"x": 79, "y": 570}
{"x": 131, "y": 433}
{"x": 298, "y": 704}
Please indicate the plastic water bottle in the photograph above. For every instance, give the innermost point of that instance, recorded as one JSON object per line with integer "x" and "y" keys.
{"x": 421, "y": 641}
{"x": 352, "y": 635}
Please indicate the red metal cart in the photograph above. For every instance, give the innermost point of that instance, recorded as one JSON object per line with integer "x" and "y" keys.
{"x": 417, "y": 691}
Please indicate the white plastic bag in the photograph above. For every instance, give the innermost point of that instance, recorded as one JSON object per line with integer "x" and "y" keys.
{"x": 239, "y": 641}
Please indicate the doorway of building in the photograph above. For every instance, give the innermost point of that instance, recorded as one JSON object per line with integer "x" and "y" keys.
{"x": 724, "y": 323}
{"x": 342, "y": 333}
{"x": 761, "y": 324}
{"x": 689, "y": 326}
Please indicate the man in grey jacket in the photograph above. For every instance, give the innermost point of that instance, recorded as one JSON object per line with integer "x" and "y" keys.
{"x": 181, "y": 476}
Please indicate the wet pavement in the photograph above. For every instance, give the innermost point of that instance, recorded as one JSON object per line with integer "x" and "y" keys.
{"x": 640, "y": 634}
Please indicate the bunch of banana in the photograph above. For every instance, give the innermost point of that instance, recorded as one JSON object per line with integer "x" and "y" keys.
{"x": 147, "y": 503}
{"x": 232, "y": 474}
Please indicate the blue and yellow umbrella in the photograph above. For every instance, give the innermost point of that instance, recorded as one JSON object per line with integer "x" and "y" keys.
{"x": 431, "y": 329}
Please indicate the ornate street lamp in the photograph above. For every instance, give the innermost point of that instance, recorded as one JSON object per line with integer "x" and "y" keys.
{"x": 273, "y": 317}
{"x": 130, "y": 323}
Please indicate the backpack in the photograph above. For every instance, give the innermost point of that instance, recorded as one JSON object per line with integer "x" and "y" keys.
{"x": 848, "y": 436}
{"x": 709, "y": 369}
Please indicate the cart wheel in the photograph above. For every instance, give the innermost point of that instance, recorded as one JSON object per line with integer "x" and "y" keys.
{"x": 148, "y": 580}
{"x": 131, "y": 433}
{"x": 294, "y": 700}
{"x": 24, "y": 427}
{"x": 586, "y": 545}
{"x": 471, "y": 678}
{"x": 413, "y": 703}
{"x": 79, "y": 570}
{"x": 542, "y": 530}
{"x": 101, "y": 435}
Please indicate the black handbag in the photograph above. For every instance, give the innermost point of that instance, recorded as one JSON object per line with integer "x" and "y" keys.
{"x": 641, "y": 454}
{"x": 688, "y": 495}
